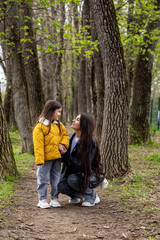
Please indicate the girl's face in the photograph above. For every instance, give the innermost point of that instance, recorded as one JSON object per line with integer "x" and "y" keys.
{"x": 56, "y": 114}
{"x": 76, "y": 123}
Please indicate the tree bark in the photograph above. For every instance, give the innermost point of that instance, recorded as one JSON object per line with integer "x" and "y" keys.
{"x": 7, "y": 161}
{"x": 93, "y": 91}
{"x": 31, "y": 66}
{"x": 82, "y": 106}
{"x": 82, "y": 96}
{"x": 140, "y": 112}
{"x": 100, "y": 82}
{"x": 88, "y": 84}
{"x": 129, "y": 61}
{"x": 114, "y": 143}
{"x": 58, "y": 71}
{"x": 75, "y": 66}
{"x": 19, "y": 84}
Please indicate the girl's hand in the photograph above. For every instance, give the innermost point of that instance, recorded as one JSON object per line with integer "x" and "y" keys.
{"x": 62, "y": 149}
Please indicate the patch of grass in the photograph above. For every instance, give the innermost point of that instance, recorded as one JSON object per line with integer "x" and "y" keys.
{"x": 139, "y": 190}
{"x": 154, "y": 158}
{"x": 6, "y": 193}
{"x": 23, "y": 163}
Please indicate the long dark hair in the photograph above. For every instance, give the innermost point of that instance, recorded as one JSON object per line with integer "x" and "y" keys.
{"x": 47, "y": 112}
{"x": 87, "y": 127}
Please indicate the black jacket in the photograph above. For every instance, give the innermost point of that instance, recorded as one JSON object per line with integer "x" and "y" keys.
{"x": 71, "y": 164}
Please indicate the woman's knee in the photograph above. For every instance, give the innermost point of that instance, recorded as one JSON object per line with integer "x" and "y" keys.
{"x": 74, "y": 181}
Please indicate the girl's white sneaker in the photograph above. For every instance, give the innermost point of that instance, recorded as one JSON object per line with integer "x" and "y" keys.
{"x": 43, "y": 204}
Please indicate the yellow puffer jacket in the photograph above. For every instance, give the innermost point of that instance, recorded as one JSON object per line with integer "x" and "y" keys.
{"x": 46, "y": 145}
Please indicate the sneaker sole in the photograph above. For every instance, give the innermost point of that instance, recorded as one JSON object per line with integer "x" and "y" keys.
{"x": 43, "y": 206}
{"x": 76, "y": 202}
{"x": 97, "y": 200}
{"x": 55, "y": 206}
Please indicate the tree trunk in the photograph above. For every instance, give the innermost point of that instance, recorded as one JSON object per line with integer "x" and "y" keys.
{"x": 31, "y": 67}
{"x": 82, "y": 106}
{"x": 100, "y": 82}
{"x": 58, "y": 71}
{"x": 140, "y": 113}
{"x": 142, "y": 80}
{"x": 88, "y": 84}
{"x": 93, "y": 91}
{"x": 19, "y": 85}
{"x": 129, "y": 61}
{"x": 7, "y": 161}
{"x": 114, "y": 143}
{"x": 75, "y": 66}
{"x": 82, "y": 94}
{"x": 8, "y": 98}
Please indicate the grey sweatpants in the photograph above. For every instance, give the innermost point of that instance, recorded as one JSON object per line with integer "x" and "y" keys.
{"x": 50, "y": 171}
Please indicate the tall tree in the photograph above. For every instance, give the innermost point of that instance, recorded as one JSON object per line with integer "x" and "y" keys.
{"x": 19, "y": 83}
{"x": 7, "y": 161}
{"x": 31, "y": 64}
{"x": 82, "y": 98}
{"x": 142, "y": 80}
{"x": 99, "y": 80}
{"x": 114, "y": 143}
{"x": 58, "y": 70}
{"x": 140, "y": 113}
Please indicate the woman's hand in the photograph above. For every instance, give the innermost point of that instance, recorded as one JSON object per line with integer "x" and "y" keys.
{"x": 62, "y": 149}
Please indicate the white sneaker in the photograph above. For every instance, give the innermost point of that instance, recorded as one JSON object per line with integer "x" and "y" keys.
{"x": 54, "y": 203}
{"x": 104, "y": 184}
{"x": 43, "y": 204}
{"x": 88, "y": 204}
{"x": 74, "y": 200}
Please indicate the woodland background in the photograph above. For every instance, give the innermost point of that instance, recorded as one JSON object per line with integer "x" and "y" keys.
{"x": 93, "y": 56}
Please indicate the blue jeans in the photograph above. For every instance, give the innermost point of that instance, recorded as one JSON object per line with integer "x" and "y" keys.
{"x": 50, "y": 171}
{"x": 71, "y": 186}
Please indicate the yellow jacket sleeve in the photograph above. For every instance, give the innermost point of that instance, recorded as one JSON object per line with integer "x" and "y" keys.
{"x": 38, "y": 141}
{"x": 65, "y": 137}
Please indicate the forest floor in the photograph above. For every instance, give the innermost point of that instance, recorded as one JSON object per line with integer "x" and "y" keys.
{"x": 129, "y": 208}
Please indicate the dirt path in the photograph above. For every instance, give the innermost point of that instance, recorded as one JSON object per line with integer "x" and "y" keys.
{"x": 71, "y": 222}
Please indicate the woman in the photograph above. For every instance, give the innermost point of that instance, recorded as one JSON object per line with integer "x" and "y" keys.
{"x": 82, "y": 170}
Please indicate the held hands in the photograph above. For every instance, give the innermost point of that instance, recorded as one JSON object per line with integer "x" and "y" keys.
{"x": 62, "y": 149}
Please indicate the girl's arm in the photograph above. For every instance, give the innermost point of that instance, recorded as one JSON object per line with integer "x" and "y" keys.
{"x": 38, "y": 141}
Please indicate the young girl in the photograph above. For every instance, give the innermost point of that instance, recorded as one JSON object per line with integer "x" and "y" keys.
{"x": 50, "y": 139}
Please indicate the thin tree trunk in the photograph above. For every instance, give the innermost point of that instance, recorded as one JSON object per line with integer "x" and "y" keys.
{"x": 88, "y": 84}
{"x": 31, "y": 67}
{"x": 82, "y": 94}
{"x": 140, "y": 113}
{"x": 58, "y": 78}
{"x": 129, "y": 61}
{"x": 75, "y": 65}
{"x": 100, "y": 82}
{"x": 19, "y": 85}
{"x": 82, "y": 106}
{"x": 8, "y": 98}
{"x": 114, "y": 143}
{"x": 7, "y": 161}
{"x": 93, "y": 91}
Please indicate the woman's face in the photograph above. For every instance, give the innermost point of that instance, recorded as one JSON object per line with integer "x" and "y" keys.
{"x": 56, "y": 114}
{"x": 76, "y": 123}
